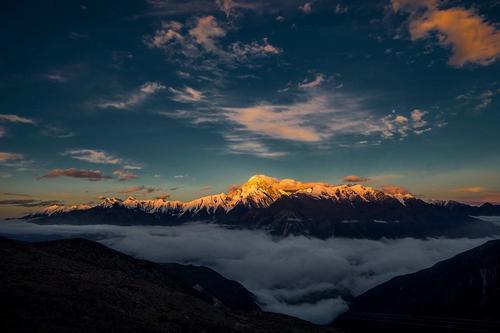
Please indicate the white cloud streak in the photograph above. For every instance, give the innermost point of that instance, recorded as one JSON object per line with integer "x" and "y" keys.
{"x": 12, "y": 118}
{"x": 144, "y": 91}
{"x": 92, "y": 156}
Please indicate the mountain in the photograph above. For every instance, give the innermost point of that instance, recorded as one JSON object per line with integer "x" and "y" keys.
{"x": 78, "y": 285}
{"x": 461, "y": 294}
{"x": 287, "y": 206}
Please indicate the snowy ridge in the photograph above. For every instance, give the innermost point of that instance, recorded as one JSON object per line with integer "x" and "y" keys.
{"x": 259, "y": 191}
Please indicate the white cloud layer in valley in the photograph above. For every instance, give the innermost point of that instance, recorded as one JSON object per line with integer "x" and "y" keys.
{"x": 287, "y": 275}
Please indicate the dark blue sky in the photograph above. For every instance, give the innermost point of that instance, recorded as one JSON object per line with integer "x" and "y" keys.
{"x": 185, "y": 98}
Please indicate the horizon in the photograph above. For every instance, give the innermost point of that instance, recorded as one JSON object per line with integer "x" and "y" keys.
{"x": 183, "y": 99}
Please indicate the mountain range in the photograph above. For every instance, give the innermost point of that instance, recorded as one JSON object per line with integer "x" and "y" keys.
{"x": 289, "y": 207}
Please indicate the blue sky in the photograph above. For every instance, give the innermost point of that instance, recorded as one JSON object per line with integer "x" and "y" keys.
{"x": 185, "y": 98}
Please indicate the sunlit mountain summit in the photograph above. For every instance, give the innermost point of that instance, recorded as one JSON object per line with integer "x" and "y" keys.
{"x": 290, "y": 207}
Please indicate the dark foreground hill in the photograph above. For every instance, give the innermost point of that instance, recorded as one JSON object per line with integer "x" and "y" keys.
{"x": 461, "y": 294}
{"x": 82, "y": 286}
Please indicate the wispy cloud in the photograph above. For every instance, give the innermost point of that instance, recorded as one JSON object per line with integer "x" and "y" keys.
{"x": 201, "y": 39}
{"x": 241, "y": 144}
{"x": 355, "y": 179}
{"x": 395, "y": 189}
{"x": 306, "y": 8}
{"x": 12, "y": 118}
{"x": 138, "y": 190}
{"x": 10, "y": 157}
{"x": 312, "y": 83}
{"x": 132, "y": 167}
{"x": 92, "y": 175}
{"x": 467, "y": 34}
{"x": 206, "y": 32}
{"x": 124, "y": 175}
{"x": 186, "y": 95}
{"x": 29, "y": 203}
{"x": 318, "y": 118}
{"x": 134, "y": 98}
{"x": 57, "y": 132}
{"x": 92, "y": 156}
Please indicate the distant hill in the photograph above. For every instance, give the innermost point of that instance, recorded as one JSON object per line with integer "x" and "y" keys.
{"x": 78, "y": 285}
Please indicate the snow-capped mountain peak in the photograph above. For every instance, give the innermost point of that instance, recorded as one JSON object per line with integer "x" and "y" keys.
{"x": 260, "y": 191}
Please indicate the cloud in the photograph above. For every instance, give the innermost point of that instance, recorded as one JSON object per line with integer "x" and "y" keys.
{"x": 56, "y": 77}
{"x": 3, "y": 132}
{"x": 92, "y": 175}
{"x": 12, "y": 118}
{"x": 181, "y": 176}
{"x": 306, "y": 8}
{"x": 471, "y": 189}
{"x": 29, "y": 203}
{"x": 132, "y": 167}
{"x": 396, "y": 124}
{"x": 241, "y": 144}
{"x": 231, "y": 7}
{"x": 206, "y": 32}
{"x": 318, "y": 118}
{"x": 485, "y": 99}
{"x": 355, "y": 179}
{"x": 124, "y": 175}
{"x": 56, "y": 132}
{"x": 261, "y": 49}
{"x": 139, "y": 189}
{"x": 296, "y": 268}
{"x": 186, "y": 95}
{"x": 92, "y": 156}
{"x": 314, "y": 83}
{"x": 339, "y": 9}
{"x": 395, "y": 189}
{"x": 10, "y": 157}
{"x": 184, "y": 43}
{"x": 134, "y": 98}
{"x": 17, "y": 194}
{"x": 205, "y": 188}
{"x": 470, "y": 38}
{"x": 169, "y": 32}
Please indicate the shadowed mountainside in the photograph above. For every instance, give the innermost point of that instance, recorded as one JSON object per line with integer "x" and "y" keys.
{"x": 461, "y": 294}
{"x": 78, "y": 285}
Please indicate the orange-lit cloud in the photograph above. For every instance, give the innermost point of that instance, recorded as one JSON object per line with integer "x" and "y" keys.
{"x": 205, "y": 188}
{"x": 92, "y": 175}
{"x": 8, "y": 157}
{"x": 395, "y": 189}
{"x": 137, "y": 189}
{"x": 470, "y": 37}
{"x": 355, "y": 179}
{"x": 206, "y": 32}
{"x": 472, "y": 189}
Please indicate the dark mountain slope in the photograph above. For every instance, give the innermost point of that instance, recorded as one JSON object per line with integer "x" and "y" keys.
{"x": 461, "y": 294}
{"x": 82, "y": 286}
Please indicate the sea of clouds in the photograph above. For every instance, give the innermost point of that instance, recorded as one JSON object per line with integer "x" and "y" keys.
{"x": 280, "y": 271}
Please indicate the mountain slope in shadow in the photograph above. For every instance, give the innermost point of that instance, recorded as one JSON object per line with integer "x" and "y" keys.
{"x": 82, "y": 286}
{"x": 461, "y": 294}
